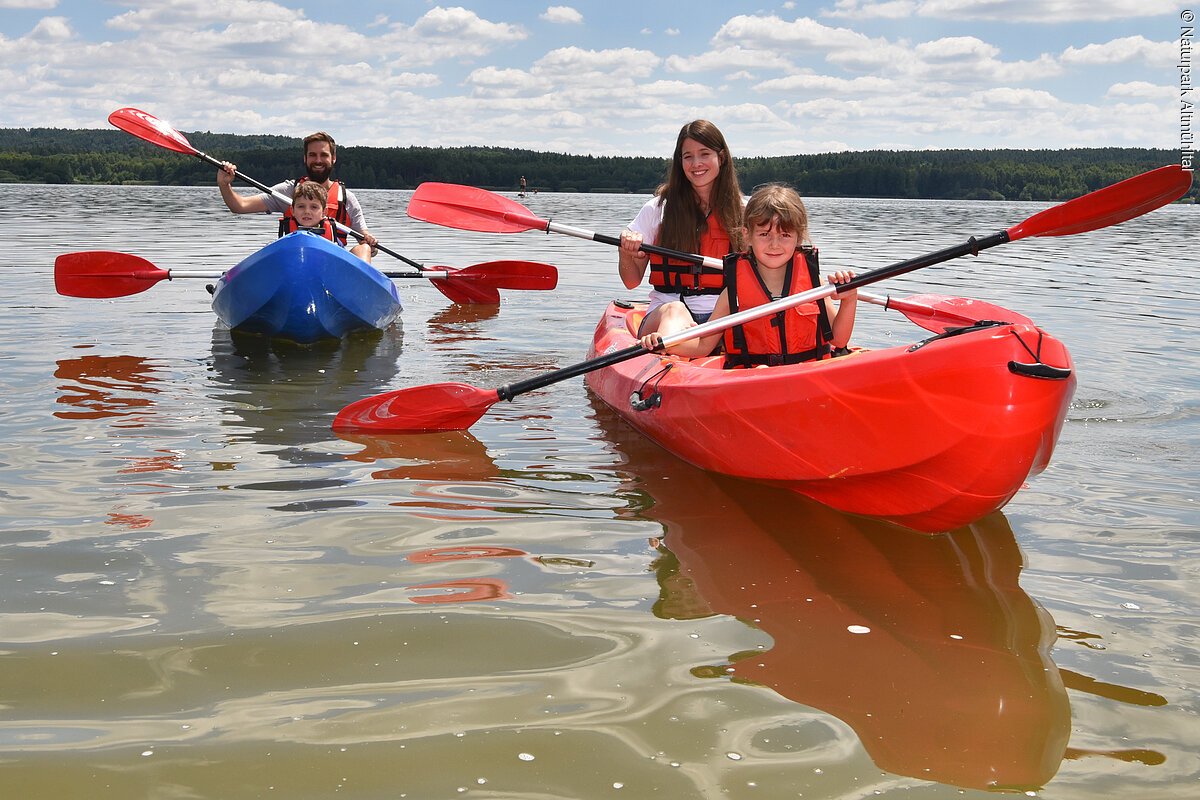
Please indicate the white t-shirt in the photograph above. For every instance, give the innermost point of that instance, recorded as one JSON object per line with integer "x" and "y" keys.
{"x": 648, "y": 222}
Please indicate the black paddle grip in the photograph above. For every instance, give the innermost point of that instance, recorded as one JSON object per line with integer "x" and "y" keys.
{"x": 520, "y": 387}
{"x": 970, "y": 247}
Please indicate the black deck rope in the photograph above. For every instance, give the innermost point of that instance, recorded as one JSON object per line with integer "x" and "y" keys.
{"x": 1036, "y": 356}
{"x": 639, "y": 402}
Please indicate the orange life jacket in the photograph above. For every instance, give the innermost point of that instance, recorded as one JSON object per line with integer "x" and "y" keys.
{"x": 288, "y": 225}
{"x": 800, "y": 333}
{"x": 335, "y": 209}
{"x": 682, "y": 278}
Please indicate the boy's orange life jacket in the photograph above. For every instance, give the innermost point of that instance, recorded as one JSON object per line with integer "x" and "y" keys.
{"x": 682, "y": 278}
{"x": 288, "y": 225}
{"x": 335, "y": 209}
{"x": 800, "y": 333}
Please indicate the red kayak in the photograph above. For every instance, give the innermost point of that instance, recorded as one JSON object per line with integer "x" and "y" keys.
{"x": 931, "y": 435}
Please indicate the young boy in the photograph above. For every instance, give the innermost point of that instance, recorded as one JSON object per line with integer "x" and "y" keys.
{"x": 308, "y": 211}
{"x": 778, "y": 264}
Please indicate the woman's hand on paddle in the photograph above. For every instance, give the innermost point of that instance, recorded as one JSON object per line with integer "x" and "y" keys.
{"x": 631, "y": 242}
{"x": 631, "y": 260}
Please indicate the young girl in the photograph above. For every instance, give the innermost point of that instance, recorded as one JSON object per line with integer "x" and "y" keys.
{"x": 778, "y": 264}
{"x": 698, "y": 209}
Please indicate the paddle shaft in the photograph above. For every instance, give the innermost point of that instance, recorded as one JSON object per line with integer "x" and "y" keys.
{"x": 708, "y": 261}
{"x": 183, "y": 274}
{"x": 972, "y": 245}
{"x": 579, "y": 233}
{"x": 531, "y": 222}
{"x": 172, "y": 274}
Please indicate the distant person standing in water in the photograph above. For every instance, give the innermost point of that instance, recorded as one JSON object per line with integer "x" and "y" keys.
{"x": 697, "y": 210}
{"x": 522, "y": 184}
{"x": 320, "y": 157}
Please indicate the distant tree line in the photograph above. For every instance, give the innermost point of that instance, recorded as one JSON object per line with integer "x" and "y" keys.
{"x": 56, "y": 155}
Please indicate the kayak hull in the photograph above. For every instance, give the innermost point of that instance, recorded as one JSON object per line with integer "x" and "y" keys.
{"x": 305, "y": 288}
{"x": 931, "y": 437}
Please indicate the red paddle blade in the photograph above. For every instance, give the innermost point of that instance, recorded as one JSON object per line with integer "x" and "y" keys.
{"x": 937, "y": 312}
{"x": 151, "y": 129}
{"x": 437, "y": 407}
{"x": 528, "y": 275}
{"x": 1108, "y": 206}
{"x": 470, "y": 209}
{"x": 465, "y": 291}
{"x": 102, "y": 273}
{"x": 481, "y": 283}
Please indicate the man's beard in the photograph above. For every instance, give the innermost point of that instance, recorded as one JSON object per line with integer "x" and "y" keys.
{"x": 319, "y": 173}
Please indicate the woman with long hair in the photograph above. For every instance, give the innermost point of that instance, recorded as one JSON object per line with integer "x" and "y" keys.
{"x": 698, "y": 209}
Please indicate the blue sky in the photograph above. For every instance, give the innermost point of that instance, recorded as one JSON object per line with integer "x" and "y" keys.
{"x": 612, "y": 77}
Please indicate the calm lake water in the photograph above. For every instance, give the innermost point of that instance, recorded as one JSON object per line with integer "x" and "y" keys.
{"x": 207, "y": 594}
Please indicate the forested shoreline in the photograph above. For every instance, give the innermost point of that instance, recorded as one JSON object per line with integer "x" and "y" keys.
{"x": 68, "y": 156}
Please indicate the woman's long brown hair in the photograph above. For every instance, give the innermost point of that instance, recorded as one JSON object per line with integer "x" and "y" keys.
{"x": 683, "y": 221}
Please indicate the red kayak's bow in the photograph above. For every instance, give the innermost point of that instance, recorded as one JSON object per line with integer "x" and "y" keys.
{"x": 931, "y": 436}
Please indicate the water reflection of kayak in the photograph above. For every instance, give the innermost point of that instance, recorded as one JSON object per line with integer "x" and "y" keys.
{"x": 925, "y": 645}
{"x": 99, "y": 386}
{"x": 282, "y": 393}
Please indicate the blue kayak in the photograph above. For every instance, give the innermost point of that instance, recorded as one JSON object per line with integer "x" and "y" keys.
{"x": 305, "y": 288}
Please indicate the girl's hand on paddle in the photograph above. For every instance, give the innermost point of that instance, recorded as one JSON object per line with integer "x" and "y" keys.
{"x": 651, "y": 341}
{"x": 844, "y": 276}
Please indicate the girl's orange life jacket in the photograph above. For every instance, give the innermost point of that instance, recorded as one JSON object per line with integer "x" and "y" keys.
{"x": 335, "y": 209}
{"x": 682, "y": 278}
{"x": 800, "y": 333}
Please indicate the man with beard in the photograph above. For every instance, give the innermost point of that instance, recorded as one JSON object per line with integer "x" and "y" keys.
{"x": 320, "y": 156}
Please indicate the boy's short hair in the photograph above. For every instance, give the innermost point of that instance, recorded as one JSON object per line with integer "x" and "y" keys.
{"x": 778, "y": 203}
{"x": 311, "y": 190}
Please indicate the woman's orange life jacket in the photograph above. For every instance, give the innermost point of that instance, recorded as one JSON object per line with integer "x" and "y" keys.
{"x": 800, "y": 333}
{"x": 685, "y": 279}
{"x": 335, "y": 209}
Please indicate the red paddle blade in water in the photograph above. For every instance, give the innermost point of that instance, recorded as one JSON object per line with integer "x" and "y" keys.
{"x": 437, "y": 407}
{"x": 470, "y": 209}
{"x": 937, "y": 312}
{"x": 151, "y": 129}
{"x": 465, "y": 291}
{"x": 1108, "y": 206}
{"x": 103, "y": 273}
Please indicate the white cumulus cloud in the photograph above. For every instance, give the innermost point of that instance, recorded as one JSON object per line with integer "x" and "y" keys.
{"x": 563, "y": 15}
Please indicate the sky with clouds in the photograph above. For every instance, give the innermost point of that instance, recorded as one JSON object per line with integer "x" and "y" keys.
{"x": 609, "y": 77}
